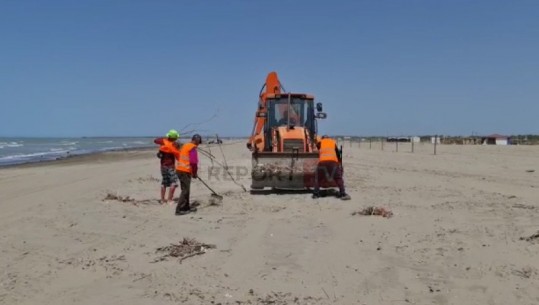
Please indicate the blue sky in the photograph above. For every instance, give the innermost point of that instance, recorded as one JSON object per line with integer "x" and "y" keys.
{"x": 128, "y": 68}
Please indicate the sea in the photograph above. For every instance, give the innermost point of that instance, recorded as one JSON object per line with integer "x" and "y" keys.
{"x": 28, "y": 150}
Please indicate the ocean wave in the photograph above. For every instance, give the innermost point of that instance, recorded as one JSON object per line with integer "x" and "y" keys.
{"x": 10, "y": 144}
{"x": 65, "y": 143}
{"x": 25, "y": 156}
{"x": 59, "y": 150}
{"x": 33, "y": 157}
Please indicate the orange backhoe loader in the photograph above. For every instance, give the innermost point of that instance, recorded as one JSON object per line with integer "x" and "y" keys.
{"x": 283, "y": 139}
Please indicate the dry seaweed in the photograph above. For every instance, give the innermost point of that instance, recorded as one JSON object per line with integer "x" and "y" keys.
{"x": 188, "y": 247}
{"x": 111, "y": 196}
{"x": 524, "y": 206}
{"x": 531, "y": 238}
{"x": 119, "y": 198}
{"x": 370, "y": 211}
{"x": 148, "y": 179}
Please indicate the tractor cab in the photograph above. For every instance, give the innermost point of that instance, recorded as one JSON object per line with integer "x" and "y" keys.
{"x": 290, "y": 123}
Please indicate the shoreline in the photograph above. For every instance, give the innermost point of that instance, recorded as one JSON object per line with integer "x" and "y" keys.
{"x": 110, "y": 155}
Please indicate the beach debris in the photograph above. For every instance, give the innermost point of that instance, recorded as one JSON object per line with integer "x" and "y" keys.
{"x": 115, "y": 197}
{"x": 113, "y": 265}
{"x": 282, "y": 298}
{"x": 370, "y": 211}
{"x": 214, "y": 201}
{"x": 530, "y": 170}
{"x": 524, "y": 206}
{"x": 432, "y": 290}
{"x": 147, "y": 179}
{"x": 531, "y": 238}
{"x": 251, "y": 297}
{"x": 111, "y": 196}
{"x": 525, "y": 272}
{"x": 186, "y": 248}
{"x": 141, "y": 276}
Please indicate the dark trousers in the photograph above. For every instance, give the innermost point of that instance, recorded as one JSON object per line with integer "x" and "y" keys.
{"x": 185, "y": 185}
{"x": 332, "y": 171}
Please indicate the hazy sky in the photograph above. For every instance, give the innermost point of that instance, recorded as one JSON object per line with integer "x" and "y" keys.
{"x": 95, "y": 68}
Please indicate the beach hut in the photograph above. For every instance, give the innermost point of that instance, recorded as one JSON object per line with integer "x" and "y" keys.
{"x": 495, "y": 139}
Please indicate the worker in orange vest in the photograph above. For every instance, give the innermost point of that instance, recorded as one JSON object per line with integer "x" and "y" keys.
{"x": 168, "y": 152}
{"x": 330, "y": 165}
{"x": 186, "y": 169}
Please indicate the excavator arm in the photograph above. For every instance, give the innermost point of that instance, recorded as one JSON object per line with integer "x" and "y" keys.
{"x": 271, "y": 86}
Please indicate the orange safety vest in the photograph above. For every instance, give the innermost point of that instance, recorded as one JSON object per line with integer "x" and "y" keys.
{"x": 168, "y": 147}
{"x": 327, "y": 150}
{"x": 183, "y": 162}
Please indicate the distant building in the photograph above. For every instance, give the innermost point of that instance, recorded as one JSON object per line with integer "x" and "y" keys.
{"x": 397, "y": 139}
{"x": 404, "y": 139}
{"x": 495, "y": 139}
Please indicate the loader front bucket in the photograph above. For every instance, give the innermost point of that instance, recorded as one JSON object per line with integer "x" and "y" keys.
{"x": 286, "y": 170}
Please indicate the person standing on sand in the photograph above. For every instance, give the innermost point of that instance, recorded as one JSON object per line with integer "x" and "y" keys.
{"x": 168, "y": 152}
{"x": 330, "y": 165}
{"x": 187, "y": 168}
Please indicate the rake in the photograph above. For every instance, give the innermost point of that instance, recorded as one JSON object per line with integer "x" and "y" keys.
{"x": 214, "y": 194}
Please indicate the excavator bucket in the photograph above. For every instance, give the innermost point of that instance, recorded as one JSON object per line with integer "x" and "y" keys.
{"x": 286, "y": 170}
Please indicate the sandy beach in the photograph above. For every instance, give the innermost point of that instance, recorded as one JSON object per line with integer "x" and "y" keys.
{"x": 457, "y": 236}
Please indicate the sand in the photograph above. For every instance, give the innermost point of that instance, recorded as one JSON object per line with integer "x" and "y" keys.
{"x": 454, "y": 238}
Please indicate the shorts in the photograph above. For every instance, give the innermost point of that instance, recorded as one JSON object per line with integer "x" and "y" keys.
{"x": 169, "y": 177}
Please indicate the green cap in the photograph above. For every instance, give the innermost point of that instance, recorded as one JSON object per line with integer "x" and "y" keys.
{"x": 173, "y": 134}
